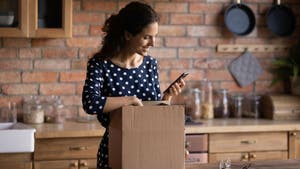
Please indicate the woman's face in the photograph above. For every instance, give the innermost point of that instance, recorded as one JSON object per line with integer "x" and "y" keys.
{"x": 142, "y": 42}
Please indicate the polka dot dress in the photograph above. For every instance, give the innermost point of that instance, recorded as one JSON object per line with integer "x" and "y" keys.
{"x": 105, "y": 79}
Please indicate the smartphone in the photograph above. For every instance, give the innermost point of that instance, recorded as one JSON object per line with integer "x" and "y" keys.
{"x": 182, "y": 76}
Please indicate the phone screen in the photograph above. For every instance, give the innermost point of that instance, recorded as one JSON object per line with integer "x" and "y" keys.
{"x": 182, "y": 76}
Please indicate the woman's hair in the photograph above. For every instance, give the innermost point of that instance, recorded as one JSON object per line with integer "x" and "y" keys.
{"x": 133, "y": 18}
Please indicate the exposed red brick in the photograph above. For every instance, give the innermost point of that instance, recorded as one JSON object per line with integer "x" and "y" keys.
{"x": 10, "y": 77}
{"x": 13, "y": 42}
{"x": 175, "y": 64}
{"x": 80, "y": 30}
{"x": 8, "y": 53}
{"x": 99, "y": 6}
{"x": 171, "y": 31}
{"x": 4, "y": 100}
{"x": 186, "y": 19}
{"x": 213, "y": 42}
{"x": 204, "y": 31}
{"x": 84, "y": 42}
{"x": 181, "y": 42}
{"x": 57, "y": 89}
{"x": 193, "y": 53}
{"x": 95, "y": 30}
{"x": 214, "y": 19}
{"x": 79, "y": 88}
{"x": 163, "y": 53}
{"x": 205, "y": 7}
{"x": 77, "y": 76}
{"x": 52, "y": 64}
{"x": 30, "y": 53}
{"x": 90, "y": 18}
{"x": 219, "y": 75}
{"x": 13, "y": 64}
{"x": 48, "y": 42}
{"x": 39, "y": 77}
{"x": 74, "y": 100}
{"x": 79, "y": 64}
{"x": 87, "y": 52}
{"x": 59, "y": 53}
{"x": 171, "y": 7}
{"x": 17, "y": 89}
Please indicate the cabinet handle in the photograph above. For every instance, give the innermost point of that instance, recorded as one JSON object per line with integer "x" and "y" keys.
{"x": 293, "y": 134}
{"x": 252, "y": 156}
{"x": 74, "y": 164}
{"x": 245, "y": 157}
{"x": 248, "y": 141}
{"x": 186, "y": 154}
{"x": 83, "y": 164}
{"x": 187, "y": 144}
{"x": 75, "y": 148}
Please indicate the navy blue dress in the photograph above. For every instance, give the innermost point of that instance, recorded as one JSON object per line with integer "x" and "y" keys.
{"x": 105, "y": 79}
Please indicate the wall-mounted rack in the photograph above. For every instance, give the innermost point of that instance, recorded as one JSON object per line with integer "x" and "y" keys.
{"x": 252, "y": 48}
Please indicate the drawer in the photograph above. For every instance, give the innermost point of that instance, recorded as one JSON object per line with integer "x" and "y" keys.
{"x": 197, "y": 158}
{"x": 241, "y": 142}
{"x": 66, "y": 148}
{"x": 66, "y": 164}
{"x": 196, "y": 143}
{"x": 251, "y": 156}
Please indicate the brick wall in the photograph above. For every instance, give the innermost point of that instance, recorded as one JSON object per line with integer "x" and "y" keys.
{"x": 188, "y": 35}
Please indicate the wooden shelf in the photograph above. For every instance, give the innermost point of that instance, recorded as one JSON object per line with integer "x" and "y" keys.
{"x": 252, "y": 48}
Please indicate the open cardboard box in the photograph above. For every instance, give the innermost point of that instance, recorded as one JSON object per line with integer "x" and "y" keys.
{"x": 147, "y": 137}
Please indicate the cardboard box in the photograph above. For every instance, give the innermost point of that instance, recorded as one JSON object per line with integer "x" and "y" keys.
{"x": 147, "y": 137}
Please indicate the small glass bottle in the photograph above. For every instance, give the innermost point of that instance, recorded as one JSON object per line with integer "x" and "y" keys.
{"x": 59, "y": 114}
{"x": 195, "y": 101}
{"x": 33, "y": 111}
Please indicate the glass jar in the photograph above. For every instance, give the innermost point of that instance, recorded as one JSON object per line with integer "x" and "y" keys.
{"x": 33, "y": 111}
{"x": 221, "y": 104}
{"x": 193, "y": 104}
{"x": 207, "y": 101}
{"x": 253, "y": 106}
{"x": 58, "y": 112}
{"x": 237, "y": 106}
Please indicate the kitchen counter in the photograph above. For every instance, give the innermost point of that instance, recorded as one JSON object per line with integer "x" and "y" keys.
{"x": 274, "y": 164}
{"x": 94, "y": 129}
{"x": 68, "y": 129}
{"x": 242, "y": 125}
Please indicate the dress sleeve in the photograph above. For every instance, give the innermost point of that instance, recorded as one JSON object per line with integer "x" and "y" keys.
{"x": 93, "y": 100}
{"x": 156, "y": 79}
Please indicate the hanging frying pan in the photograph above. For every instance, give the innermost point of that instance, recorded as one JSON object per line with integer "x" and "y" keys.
{"x": 239, "y": 19}
{"x": 281, "y": 20}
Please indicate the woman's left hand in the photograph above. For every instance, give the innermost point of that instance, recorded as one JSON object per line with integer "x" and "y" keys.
{"x": 174, "y": 90}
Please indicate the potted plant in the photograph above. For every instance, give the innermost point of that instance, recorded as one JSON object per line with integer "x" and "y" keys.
{"x": 287, "y": 70}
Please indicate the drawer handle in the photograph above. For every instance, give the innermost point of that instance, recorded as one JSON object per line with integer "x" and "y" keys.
{"x": 74, "y": 164}
{"x": 83, "y": 164}
{"x": 248, "y": 141}
{"x": 81, "y": 148}
{"x": 187, "y": 144}
{"x": 245, "y": 157}
{"x": 253, "y": 156}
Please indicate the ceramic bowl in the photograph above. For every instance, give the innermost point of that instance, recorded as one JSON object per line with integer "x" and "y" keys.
{"x": 6, "y": 19}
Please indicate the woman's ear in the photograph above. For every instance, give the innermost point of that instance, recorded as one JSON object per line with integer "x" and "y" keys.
{"x": 127, "y": 35}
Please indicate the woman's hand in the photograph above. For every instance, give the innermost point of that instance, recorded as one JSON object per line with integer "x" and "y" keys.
{"x": 133, "y": 100}
{"x": 175, "y": 90}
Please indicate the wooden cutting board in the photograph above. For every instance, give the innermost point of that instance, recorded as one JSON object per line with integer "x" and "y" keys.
{"x": 274, "y": 164}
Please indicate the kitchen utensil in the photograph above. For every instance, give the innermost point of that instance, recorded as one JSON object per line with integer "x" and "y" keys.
{"x": 239, "y": 19}
{"x": 6, "y": 19}
{"x": 281, "y": 20}
{"x": 245, "y": 69}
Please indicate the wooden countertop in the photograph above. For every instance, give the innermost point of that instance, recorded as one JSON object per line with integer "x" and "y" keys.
{"x": 242, "y": 125}
{"x": 68, "y": 129}
{"x": 94, "y": 129}
{"x": 272, "y": 164}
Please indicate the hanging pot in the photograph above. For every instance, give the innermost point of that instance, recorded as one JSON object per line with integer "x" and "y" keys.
{"x": 239, "y": 19}
{"x": 281, "y": 20}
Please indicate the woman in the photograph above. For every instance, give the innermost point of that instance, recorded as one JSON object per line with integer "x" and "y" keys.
{"x": 122, "y": 73}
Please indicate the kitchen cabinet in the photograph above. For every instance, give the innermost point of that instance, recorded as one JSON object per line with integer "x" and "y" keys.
{"x": 66, "y": 153}
{"x": 16, "y": 160}
{"x": 250, "y": 146}
{"x": 29, "y": 23}
{"x": 197, "y": 147}
{"x": 294, "y": 144}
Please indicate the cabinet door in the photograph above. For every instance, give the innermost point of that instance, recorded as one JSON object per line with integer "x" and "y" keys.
{"x": 56, "y": 164}
{"x": 21, "y": 15}
{"x": 64, "y": 29}
{"x": 16, "y": 160}
{"x": 294, "y": 145}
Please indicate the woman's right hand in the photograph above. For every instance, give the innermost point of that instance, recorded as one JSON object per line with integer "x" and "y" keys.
{"x": 133, "y": 100}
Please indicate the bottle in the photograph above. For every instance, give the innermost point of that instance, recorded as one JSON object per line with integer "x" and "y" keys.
{"x": 237, "y": 106}
{"x": 207, "y": 104}
{"x": 33, "y": 111}
{"x": 12, "y": 115}
{"x": 59, "y": 114}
